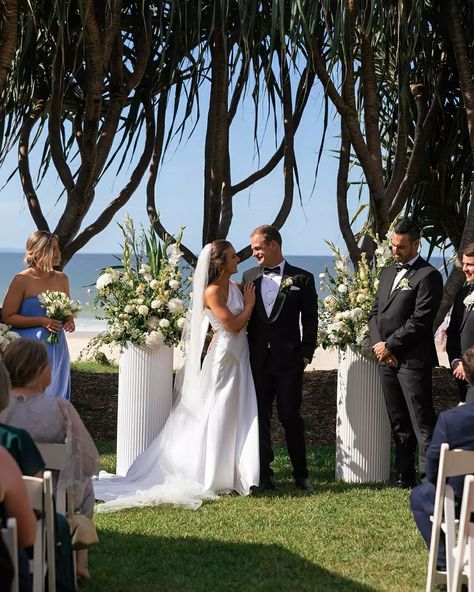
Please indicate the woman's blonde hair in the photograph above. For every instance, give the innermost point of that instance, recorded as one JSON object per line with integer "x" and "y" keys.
{"x": 40, "y": 249}
{"x": 25, "y": 359}
{"x": 5, "y": 387}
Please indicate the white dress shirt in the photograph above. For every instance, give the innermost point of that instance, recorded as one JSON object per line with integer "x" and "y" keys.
{"x": 402, "y": 272}
{"x": 270, "y": 287}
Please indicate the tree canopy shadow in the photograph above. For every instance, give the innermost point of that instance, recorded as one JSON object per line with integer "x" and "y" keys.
{"x": 137, "y": 562}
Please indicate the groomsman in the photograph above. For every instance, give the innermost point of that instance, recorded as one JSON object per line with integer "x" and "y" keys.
{"x": 279, "y": 349}
{"x": 401, "y": 332}
{"x": 460, "y": 333}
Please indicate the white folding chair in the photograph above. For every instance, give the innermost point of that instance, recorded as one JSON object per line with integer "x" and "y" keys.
{"x": 54, "y": 456}
{"x": 40, "y": 493}
{"x": 464, "y": 552}
{"x": 452, "y": 463}
{"x": 10, "y": 538}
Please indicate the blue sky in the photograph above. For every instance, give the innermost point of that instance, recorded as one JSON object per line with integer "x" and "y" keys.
{"x": 180, "y": 187}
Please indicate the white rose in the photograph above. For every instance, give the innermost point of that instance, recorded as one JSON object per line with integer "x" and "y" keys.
{"x": 103, "y": 280}
{"x": 164, "y": 323}
{"x": 11, "y": 335}
{"x": 360, "y": 298}
{"x": 175, "y": 305}
{"x": 144, "y": 269}
{"x": 143, "y": 310}
{"x": 156, "y": 304}
{"x": 342, "y": 288}
{"x": 128, "y": 308}
{"x": 154, "y": 284}
{"x": 181, "y": 322}
{"x": 357, "y": 312}
{"x": 174, "y": 284}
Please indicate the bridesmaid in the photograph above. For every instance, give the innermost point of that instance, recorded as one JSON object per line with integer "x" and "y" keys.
{"x": 22, "y": 310}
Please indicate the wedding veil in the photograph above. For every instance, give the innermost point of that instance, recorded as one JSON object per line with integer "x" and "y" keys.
{"x": 194, "y": 336}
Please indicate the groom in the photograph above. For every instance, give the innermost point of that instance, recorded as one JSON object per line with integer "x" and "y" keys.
{"x": 279, "y": 349}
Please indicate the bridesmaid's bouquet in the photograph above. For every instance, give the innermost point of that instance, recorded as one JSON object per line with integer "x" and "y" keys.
{"x": 6, "y": 337}
{"x": 58, "y": 306}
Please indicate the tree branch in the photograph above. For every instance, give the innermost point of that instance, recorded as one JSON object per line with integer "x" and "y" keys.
{"x": 24, "y": 166}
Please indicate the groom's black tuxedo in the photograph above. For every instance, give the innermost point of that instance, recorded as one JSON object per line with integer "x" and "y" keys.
{"x": 278, "y": 344}
{"x": 460, "y": 335}
{"x": 403, "y": 319}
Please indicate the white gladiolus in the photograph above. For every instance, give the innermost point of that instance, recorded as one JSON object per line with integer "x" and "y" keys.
{"x": 147, "y": 277}
{"x": 342, "y": 288}
{"x": 164, "y": 323}
{"x": 175, "y": 305}
{"x": 143, "y": 310}
{"x": 322, "y": 275}
{"x": 144, "y": 269}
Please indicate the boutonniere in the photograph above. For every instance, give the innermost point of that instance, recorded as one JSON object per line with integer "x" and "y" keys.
{"x": 404, "y": 283}
{"x": 286, "y": 282}
{"x": 469, "y": 300}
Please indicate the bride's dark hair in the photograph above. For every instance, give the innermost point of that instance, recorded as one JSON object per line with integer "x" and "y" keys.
{"x": 219, "y": 249}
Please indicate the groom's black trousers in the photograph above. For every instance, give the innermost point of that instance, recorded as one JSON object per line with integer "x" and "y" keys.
{"x": 271, "y": 381}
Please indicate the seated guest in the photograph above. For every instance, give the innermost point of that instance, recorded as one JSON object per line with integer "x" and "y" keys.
{"x": 14, "y": 503}
{"x": 51, "y": 419}
{"x": 18, "y": 442}
{"x": 460, "y": 331}
{"x": 454, "y": 427}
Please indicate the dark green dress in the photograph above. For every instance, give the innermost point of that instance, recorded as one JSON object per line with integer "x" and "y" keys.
{"x": 21, "y": 446}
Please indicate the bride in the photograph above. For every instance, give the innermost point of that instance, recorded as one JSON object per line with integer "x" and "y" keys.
{"x": 209, "y": 443}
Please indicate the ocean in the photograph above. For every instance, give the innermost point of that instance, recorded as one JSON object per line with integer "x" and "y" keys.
{"x": 84, "y": 269}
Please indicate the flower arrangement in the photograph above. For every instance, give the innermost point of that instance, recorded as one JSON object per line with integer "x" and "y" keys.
{"x": 143, "y": 299}
{"x": 6, "y": 337}
{"x": 286, "y": 282}
{"x": 58, "y": 306}
{"x": 469, "y": 300}
{"x": 345, "y": 310}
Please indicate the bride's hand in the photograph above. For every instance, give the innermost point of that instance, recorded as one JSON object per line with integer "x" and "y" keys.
{"x": 249, "y": 294}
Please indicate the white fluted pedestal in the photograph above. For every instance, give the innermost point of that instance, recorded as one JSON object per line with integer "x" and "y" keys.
{"x": 144, "y": 399}
{"x": 362, "y": 426}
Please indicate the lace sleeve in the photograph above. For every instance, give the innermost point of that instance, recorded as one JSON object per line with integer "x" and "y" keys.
{"x": 82, "y": 448}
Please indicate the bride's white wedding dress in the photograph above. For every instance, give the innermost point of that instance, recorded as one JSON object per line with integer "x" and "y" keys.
{"x": 209, "y": 443}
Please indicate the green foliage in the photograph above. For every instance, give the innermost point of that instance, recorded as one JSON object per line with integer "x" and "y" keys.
{"x": 345, "y": 537}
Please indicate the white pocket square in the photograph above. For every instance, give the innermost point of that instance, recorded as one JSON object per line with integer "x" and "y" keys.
{"x": 294, "y": 288}
{"x": 406, "y": 288}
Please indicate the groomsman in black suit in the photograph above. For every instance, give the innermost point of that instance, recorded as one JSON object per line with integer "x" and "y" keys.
{"x": 279, "y": 349}
{"x": 401, "y": 332}
{"x": 454, "y": 427}
{"x": 460, "y": 332}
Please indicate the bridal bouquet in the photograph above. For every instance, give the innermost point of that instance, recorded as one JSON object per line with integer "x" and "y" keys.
{"x": 6, "y": 337}
{"x": 351, "y": 291}
{"x": 143, "y": 299}
{"x": 58, "y": 306}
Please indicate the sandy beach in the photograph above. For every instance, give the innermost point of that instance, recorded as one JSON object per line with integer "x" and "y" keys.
{"x": 323, "y": 359}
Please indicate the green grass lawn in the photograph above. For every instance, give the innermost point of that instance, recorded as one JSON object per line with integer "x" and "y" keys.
{"x": 344, "y": 537}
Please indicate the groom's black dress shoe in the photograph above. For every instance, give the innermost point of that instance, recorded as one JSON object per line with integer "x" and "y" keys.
{"x": 304, "y": 485}
{"x": 268, "y": 483}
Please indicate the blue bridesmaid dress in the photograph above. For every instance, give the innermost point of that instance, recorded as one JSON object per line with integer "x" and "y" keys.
{"x": 58, "y": 353}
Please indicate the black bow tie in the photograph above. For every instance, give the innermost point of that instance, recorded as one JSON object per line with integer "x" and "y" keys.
{"x": 399, "y": 266}
{"x": 271, "y": 270}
